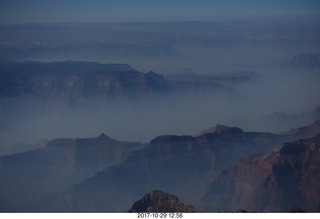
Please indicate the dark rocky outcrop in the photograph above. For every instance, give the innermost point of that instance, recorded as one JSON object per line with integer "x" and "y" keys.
{"x": 271, "y": 182}
{"x": 158, "y": 201}
{"x": 222, "y": 129}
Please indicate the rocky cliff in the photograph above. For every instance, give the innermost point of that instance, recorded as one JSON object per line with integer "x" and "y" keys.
{"x": 63, "y": 85}
{"x": 287, "y": 177}
{"x": 59, "y": 86}
{"x": 159, "y": 201}
{"x": 105, "y": 175}
{"x": 183, "y": 165}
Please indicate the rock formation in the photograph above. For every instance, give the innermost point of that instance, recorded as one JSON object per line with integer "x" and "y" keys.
{"x": 158, "y": 201}
{"x": 271, "y": 182}
{"x": 105, "y": 175}
{"x": 181, "y": 165}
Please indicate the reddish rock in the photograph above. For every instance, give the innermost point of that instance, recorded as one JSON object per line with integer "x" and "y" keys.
{"x": 286, "y": 177}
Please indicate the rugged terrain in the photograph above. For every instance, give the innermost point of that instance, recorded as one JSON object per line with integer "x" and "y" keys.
{"x": 286, "y": 178}
{"x": 58, "y": 86}
{"x": 159, "y": 201}
{"x": 105, "y": 175}
{"x": 183, "y": 165}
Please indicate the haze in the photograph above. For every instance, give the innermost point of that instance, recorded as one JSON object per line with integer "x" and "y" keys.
{"x": 208, "y": 37}
{"x": 45, "y": 11}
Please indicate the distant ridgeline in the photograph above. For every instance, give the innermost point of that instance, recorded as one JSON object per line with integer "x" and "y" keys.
{"x": 63, "y": 85}
{"x": 306, "y": 60}
{"x": 105, "y": 175}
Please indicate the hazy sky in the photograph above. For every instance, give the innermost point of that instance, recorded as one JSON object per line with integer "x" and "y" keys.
{"x": 42, "y": 11}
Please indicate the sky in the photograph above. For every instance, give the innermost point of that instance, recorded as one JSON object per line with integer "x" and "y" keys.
{"x": 61, "y": 11}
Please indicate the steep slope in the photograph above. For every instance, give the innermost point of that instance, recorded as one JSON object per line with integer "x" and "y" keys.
{"x": 288, "y": 176}
{"x": 183, "y": 165}
{"x": 158, "y": 201}
{"x": 27, "y": 177}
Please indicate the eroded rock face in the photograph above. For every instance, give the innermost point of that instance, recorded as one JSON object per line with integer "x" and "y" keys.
{"x": 158, "y": 201}
{"x": 61, "y": 86}
{"x": 277, "y": 181}
{"x": 181, "y": 165}
{"x": 105, "y": 175}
